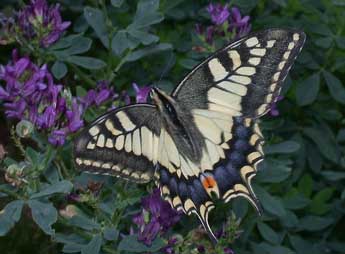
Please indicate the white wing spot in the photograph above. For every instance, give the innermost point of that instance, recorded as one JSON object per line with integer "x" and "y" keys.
{"x": 271, "y": 43}
{"x": 217, "y": 69}
{"x": 101, "y": 140}
{"x": 296, "y": 37}
{"x": 258, "y": 52}
{"x": 236, "y": 59}
{"x": 126, "y": 123}
{"x": 94, "y": 131}
{"x": 109, "y": 143}
{"x": 110, "y": 126}
{"x": 128, "y": 143}
{"x": 240, "y": 79}
{"x": 91, "y": 146}
{"x": 291, "y": 45}
{"x": 276, "y": 76}
{"x": 119, "y": 142}
{"x": 252, "y": 42}
{"x": 248, "y": 71}
{"x": 281, "y": 65}
{"x": 286, "y": 55}
{"x": 233, "y": 87}
{"x": 254, "y": 61}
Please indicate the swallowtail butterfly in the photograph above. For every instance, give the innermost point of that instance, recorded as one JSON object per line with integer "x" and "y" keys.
{"x": 201, "y": 141}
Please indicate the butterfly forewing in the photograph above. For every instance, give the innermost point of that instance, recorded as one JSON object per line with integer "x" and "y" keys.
{"x": 122, "y": 143}
{"x": 245, "y": 77}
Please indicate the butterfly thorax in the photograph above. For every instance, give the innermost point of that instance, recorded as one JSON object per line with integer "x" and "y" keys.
{"x": 178, "y": 123}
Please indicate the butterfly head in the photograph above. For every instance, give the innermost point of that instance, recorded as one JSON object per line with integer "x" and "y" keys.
{"x": 161, "y": 99}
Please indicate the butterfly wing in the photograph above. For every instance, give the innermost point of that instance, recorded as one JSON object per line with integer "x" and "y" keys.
{"x": 225, "y": 94}
{"x": 123, "y": 142}
{"x": 243, "y": 78}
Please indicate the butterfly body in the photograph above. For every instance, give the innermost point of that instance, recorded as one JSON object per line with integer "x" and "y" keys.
{"x": 203, "y": 140}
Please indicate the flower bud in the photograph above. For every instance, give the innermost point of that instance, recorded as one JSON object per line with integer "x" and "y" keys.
{"x": 24, "y": 128}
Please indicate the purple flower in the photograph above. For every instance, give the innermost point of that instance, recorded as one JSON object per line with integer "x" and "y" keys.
{"x": 201, "y": 248}
{"x": 238, "y": 23}
{"x": 74, "y": 116}
{"x": 160, "y": 214}
{"x": 169, "y": 248}
{"x": 41, "y": 22}
{"x": 273, "y": 106}
{"x": 228, "y": 250}
{"x": 99, "y": 95}
{"x": 219, "y": 14}
{"x": 141, "y": 93}
{"x": 57, "y": 137}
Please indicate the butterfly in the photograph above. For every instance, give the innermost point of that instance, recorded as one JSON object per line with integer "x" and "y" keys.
{"x": 202, "y": 141}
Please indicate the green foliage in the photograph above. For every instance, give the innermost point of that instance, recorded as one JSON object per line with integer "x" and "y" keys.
{"x": 300, "y": 184}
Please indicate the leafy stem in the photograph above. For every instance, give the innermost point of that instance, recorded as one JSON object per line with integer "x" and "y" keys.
{"x": 90, "y": 83}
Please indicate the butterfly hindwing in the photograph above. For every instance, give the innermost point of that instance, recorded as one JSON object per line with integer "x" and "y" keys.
{"x": 123, "y": 142}
{"x": 245, "y": 77}
{"x": 228, "y": 178}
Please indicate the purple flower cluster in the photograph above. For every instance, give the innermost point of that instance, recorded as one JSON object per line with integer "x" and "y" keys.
{"x": 30, "y": 93}
{"x": 141, "y": 93}
{"x": 225, "y": 20}
{"x": 219, "y": 13}
{"x": 41, "y": 22}
{"x": 156, "y": 218}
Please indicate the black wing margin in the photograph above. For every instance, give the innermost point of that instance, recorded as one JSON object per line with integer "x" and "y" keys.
{"x": 243, "y": 78}
{"x": 123, "y": 142}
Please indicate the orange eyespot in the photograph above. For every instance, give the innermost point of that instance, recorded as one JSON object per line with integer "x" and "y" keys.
{"x": 208, "y": 182}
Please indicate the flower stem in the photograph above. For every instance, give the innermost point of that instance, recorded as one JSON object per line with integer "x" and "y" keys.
{"x": 90, "y": 83}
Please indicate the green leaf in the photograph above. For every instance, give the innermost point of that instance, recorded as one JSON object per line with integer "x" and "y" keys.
{"x": 268, "y": 233}
{"x": 130, "y": 243}
{"x": 86, "y": 62}
{"x": 324, "y": 142}
{"x": 111, "y": 234}
{"x": 188, "y": 63}
{"x": 308, "y": 90}
{"x": 117, "y": 3}
{"x": 274, "y": 171}
{"x": 270, "y": 203}
{"x": 333, "y": 175}
{"x": 300, "y": 245}
{"x": 282, "y": 3}
{"x": 324, "y": 42}
{"x": 144, "y": 37}
{"x": 59, "y": 187}
{"x": 314, "y": 223}
{"x": 140, "y": 53}
{"x": 84, "y": 222}
{"x": 120, "y": 42}
{"x": 284, "y": 147}
{"x": 94, "y": 246}
{"x": 44, "y": 214}
{"x": 290, "y": 220}
{"x": 296, "y": 202}
{"x": 10, "y": 215}
{"x": 340, "y": 40}
{"x": 270, "y": 249}
{"x": 319, "y": 204}
{"x": 335, "y": 87}
{"x": 305, "y": 185}
{"x": 72, "y": 248}
{"x": 59, "y": 70}
{"x": 78, "y": 45}
{"x": 96, "y": 20}
{"x": 147, "y": 14}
